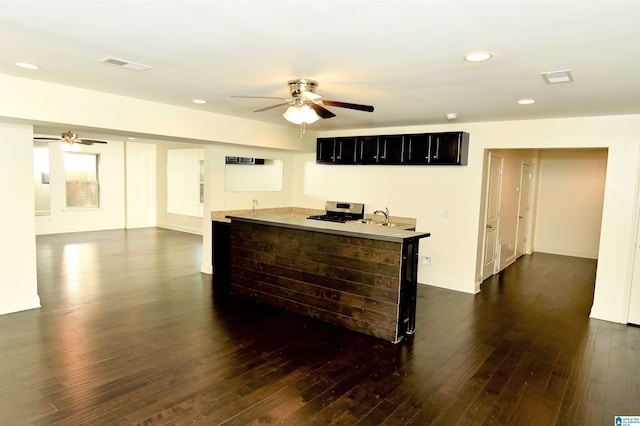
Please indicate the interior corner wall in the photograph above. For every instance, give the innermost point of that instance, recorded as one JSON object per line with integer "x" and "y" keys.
{"x": 570, "y": 200}
{"x": 18, "y": 278}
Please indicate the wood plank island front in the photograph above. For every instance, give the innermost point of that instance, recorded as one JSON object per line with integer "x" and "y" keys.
{"x": 362, "y": 277}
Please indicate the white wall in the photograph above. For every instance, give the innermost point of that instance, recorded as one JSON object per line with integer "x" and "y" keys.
{"x": 18, "y": 280}
{"x": 41, "y": 188}
{"x": 570, "y": 198}
{"x": 141, "y": 198}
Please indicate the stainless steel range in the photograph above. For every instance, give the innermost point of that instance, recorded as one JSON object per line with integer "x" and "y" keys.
{"x": 336, "y": 211}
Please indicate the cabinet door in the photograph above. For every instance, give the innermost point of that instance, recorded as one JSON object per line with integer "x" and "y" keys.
{"x": 447, "y": 148}
{"x": 367, "y": 149}
{"x": 325, "y": 150}
{"x": 417, "y": 147}
{"x": 391, "y": 149}
{"x": 345, "y": 150}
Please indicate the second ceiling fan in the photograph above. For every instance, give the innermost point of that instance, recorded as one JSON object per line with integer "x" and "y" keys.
{"x": 69, "y": 138}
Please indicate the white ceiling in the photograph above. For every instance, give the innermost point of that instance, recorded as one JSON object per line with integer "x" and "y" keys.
{"x": 402, "y": 57}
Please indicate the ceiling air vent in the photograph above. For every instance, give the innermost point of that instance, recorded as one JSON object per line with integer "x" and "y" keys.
{"x": 124, "y": 64}
{"x": 552, "y": 77}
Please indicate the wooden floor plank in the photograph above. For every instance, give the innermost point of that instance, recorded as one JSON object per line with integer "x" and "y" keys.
{"x": 130, "y": 332}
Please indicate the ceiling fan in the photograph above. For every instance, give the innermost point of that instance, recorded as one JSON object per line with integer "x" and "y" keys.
{"x": 305, "y": 105}
{"x": 70, "y": 139}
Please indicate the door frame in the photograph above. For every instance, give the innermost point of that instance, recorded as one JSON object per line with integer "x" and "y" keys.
{"x": 527, "y": 227}
{"x": 487, "y": 189}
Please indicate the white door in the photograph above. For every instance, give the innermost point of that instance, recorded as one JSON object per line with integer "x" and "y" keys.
{"x": 494, "y": 185}
{"x": 523, "y": 208}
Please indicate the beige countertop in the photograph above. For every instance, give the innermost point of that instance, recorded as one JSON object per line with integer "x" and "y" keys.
{"x": 397, "y": 222}
{"x": 354, "y": 228}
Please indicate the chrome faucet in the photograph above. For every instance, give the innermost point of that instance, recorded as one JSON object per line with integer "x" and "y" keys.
{"x": 385, "y": 212}
{"x": 253, "y": 207}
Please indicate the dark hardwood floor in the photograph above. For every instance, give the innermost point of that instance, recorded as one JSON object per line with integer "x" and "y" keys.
{"x": 130, "y": 332}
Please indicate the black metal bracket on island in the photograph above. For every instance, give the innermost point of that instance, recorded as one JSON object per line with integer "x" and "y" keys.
{"x": 360, "y": 277}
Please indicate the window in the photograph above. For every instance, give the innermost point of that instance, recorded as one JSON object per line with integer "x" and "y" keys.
{"x": 81, "y": 177}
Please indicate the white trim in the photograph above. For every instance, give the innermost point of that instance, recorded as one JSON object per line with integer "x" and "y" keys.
{"x": 19, "y": 304}
{"x": 190, "y": 230}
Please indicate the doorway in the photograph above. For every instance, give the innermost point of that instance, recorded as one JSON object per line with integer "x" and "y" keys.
{"x": 524, "y": 191}
{"x": 550, "y": 201}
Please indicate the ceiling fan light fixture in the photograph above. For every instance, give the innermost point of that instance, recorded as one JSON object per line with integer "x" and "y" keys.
{"x": 300, "y": 114}
{"x": 66, "y": 146}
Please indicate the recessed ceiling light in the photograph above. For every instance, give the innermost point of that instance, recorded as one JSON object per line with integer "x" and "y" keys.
{"x": 27, "y": 66}
{"x": 477, "y": 56}
{"x": 526, "y": 101}
{"x": 452, "y": 116}
{"x": 199, "y": 101}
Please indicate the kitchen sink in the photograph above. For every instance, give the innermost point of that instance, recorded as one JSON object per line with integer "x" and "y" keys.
{"x": 372, "y": 223}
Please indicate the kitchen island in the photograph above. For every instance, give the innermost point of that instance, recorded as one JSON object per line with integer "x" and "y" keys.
{"x": 362, "y": 277}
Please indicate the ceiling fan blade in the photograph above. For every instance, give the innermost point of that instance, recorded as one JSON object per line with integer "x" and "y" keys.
{"x": 38, "y": 138}
{"x": 321, "y": 111}
{"x": 271, "y": 107}
{"x": 359, "y": 107}
{"x": 88, "y": 141}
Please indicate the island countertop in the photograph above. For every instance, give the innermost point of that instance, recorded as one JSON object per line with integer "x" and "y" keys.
{"x": 349, "y": 229}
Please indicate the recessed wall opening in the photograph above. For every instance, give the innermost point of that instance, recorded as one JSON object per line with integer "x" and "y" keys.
{"x": 558, "y": 211}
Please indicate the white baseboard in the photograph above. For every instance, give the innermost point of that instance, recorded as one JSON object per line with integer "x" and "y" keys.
{"x": 464, "y": 288}
{"x": 608, "y": 315}
{"x": 197, "y": 231}
{"x": 565, "y": 252}
{"x": 19, "y": 304}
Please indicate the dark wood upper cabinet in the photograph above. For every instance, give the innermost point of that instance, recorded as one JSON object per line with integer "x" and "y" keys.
{"x": 367, "y": 150}
{"x": 417, "y": 147}
{"x": 450, "y": 148}
{"x": 345, "y": 150}
{"x": 391, "y": 149}
{"x": 444, "y": 148}
{"x": 336, "y": 150}
{"x": 325, "y": 150}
